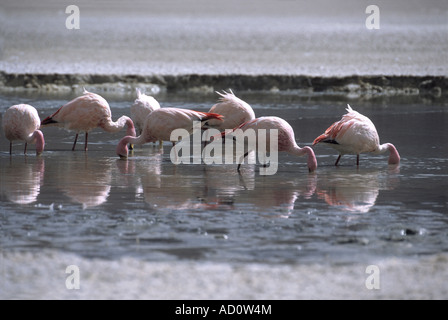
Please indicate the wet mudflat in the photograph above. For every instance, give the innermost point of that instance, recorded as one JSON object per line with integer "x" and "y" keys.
{"x": 99, "y": 206}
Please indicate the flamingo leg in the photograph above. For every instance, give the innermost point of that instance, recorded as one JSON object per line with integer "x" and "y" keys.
{"x": 85, "y": 145}
{"x": 10, "y": 147}
{"x": 175, "y": 151}
{"x": 242, "y": 160}
{"x": 337, "y": 161}
{"x": 357, "y": 160}
{"x": 74, "y": 144}
{"x": 26, "y": 146}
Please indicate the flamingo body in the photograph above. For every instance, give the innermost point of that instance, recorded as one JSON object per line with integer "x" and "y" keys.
{"x": 234, "y": 110}
{"x": 286, "y": 138}
{"x": 142, "y": 106}
{"x": 88, "y": 112}
{"x": 356, "y": 134}
{"x": 160, "y": 123}
{"x": 22, "y": 122}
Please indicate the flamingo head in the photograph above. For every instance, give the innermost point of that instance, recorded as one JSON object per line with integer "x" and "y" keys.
{"x": 394, "y": 156}
{"x": 122, "y": 147}
{"x": 312, "y": 162}
{"x": 40, "y": 142}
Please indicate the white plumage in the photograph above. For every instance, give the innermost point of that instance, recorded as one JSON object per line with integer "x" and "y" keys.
{"x": 356, "y": 134}
{"x": 142, "y": 106}
{"x": 234, "y": 110}
{"x": 21, "y": 122}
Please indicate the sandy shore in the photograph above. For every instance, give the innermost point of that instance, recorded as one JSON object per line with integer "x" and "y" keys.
{"x": 129, "y": 278}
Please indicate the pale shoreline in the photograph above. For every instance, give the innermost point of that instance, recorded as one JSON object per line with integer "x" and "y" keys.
{"x": 130, "y": 278}
{"x": 150, "y": 38}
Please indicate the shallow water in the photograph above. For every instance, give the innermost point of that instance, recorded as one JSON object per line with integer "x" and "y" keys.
{"x": 98, "y": 206}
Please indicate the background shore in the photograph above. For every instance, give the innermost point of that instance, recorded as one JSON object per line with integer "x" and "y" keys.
{"x": 177, "y": 42}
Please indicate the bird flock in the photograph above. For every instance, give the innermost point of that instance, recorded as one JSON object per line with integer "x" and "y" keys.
{"x": 353, "y": 134}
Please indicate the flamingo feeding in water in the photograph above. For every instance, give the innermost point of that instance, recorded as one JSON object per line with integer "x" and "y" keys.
{"x": 21, "y": 122}
{"x": 356, "y": 134}
{"x": 142, "y": 106}
{"x": 234, "y": 110}
{"x": 85, "y": 113}
{"x": 286, "y": 138}
{"x": 160, "y": 123}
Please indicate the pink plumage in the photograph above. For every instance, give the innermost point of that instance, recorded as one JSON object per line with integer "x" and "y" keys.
{"x": 356, "y": 134}
{"x": 21, "y": 122}
{"x": 286, "y": 138}
{"x": 160, "y": 124}
{"x": 85, "y": 113}
{"x": 140, "y": 109}
{"x": 234, "y": 110}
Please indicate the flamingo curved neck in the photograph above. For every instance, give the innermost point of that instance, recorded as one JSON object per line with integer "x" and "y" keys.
{"x": 312, "y": 162}
{"x": 122, "y": 147}
{"x": 37, "y": 138}
{"x": 116, "y": 126}
{"x": 394, "y": 157}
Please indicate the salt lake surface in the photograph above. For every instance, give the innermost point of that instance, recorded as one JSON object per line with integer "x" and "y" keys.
{"x": 96, "y": 206}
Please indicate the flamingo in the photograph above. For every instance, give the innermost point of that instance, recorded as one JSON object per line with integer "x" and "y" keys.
{"x": 161, "y": 122}
{"x": 85, "y": 113}
{"x": 142, "y": 106}
{"x": 356, "y": 134}
{"x": 234, "y": 110}
{"x": 21, "y": 122}
{"x": 286, "y": 139}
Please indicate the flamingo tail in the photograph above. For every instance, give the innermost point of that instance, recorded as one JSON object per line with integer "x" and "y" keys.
{"x": 210, "y": 115}
{"x": 49, "y": 120}
{"x": 324, "y": 138}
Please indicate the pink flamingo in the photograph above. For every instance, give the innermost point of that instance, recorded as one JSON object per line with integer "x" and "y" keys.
{"x": 21, "y": 122}
{"x": 234, "y": 110}
{"x": 355, "y": 134}
{"x": 142, "y": 106}
{"x": 85, "y": 113}
{"x": 161, "y": 122}
{"x": 286, "y": 138}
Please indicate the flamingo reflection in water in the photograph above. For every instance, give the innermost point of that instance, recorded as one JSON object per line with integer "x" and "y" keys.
{"x": 86, "y": 181}
{"x": 227, "y": 187}
{"x": 356, "y": 192}
{"x": 21, "y": 181}
{"x": 164, "y": 188}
